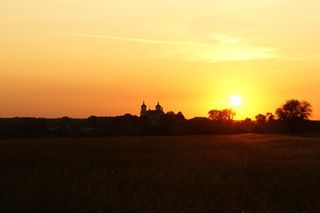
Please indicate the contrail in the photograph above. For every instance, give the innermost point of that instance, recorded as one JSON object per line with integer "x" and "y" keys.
{"x": 120, "y": 38}
{"x": 215, "y": 51}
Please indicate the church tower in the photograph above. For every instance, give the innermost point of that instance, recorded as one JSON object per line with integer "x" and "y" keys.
{"x": 159, "y": 107}
{"x": 152, "y": 115}
{"x": 143, "y": 109}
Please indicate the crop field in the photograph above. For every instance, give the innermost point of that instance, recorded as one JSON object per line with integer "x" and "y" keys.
{"x": 236, "y": 173}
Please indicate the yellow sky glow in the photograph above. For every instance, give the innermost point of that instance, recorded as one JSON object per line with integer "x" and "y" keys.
{"x": 80, "y": 57}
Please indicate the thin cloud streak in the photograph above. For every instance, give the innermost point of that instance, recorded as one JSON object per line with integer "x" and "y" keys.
{"x": 119, "y": 38}
{"x": 219, "y": 48}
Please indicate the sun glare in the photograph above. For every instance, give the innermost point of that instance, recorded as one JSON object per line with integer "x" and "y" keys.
{"x": 235, "y": 101}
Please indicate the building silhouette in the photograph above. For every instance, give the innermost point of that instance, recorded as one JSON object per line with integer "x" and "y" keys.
{"x": 151, "y": 114}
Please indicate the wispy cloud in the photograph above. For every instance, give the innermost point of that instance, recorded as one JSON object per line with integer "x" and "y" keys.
{"x": 216, "y": 48}
{"x": 225, "y": 39}
{"x": 119, "y": 38}
{"x": 221, "y": 47}
{"x": 219, "y": 53}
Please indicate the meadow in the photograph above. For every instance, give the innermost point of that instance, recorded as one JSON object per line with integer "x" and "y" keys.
{"x": 234, "y": 173}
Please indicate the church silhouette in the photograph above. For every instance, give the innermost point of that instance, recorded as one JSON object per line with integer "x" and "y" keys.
{"x": 151, "y": 114}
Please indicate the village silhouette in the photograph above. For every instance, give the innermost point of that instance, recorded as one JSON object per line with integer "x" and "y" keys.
{"x": 293, "y": 117}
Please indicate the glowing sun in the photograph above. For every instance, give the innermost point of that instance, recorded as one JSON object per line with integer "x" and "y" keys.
{"x": 235, "y": 101}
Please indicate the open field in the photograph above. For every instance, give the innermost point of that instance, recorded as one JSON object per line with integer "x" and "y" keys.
{"x": 239, "y": 173}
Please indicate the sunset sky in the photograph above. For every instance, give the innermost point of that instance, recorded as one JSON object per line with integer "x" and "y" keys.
{"x": 104, "y": 57}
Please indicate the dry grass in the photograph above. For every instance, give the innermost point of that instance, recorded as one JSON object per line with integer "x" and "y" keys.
{"x": 240, "y": 173}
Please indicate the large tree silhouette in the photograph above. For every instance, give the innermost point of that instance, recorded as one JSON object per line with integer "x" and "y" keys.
{"x": 261, "y": 119}
{"x": 294, "y": 112}
{"x": 221, "y": 115}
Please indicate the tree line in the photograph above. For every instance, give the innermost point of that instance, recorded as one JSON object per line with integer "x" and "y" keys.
{"x": 293, "y": 117}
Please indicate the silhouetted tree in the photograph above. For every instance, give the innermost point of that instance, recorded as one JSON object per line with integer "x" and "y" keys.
{"x": 200, "y": 125}
{"x": 180, "y": 116}
{"x": 171, "y": 123}
{"x": 170, "y": 113}
{"x": 270, "y": 117}
{"x": 247, "y": 121}
{"x": 264, "y": 123}
{"x": 294, "y": 112}
{"x": 221, "y": 115}
{"x": 261, "y": 119}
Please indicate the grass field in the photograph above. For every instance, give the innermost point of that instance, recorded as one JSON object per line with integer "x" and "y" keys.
{"x": 239, "y": 173}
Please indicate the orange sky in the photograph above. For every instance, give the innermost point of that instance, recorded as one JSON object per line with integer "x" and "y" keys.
{"x": 81, "y": 57}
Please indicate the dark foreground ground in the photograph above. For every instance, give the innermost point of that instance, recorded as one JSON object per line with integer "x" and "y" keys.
{"x": 241, "y": 173}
